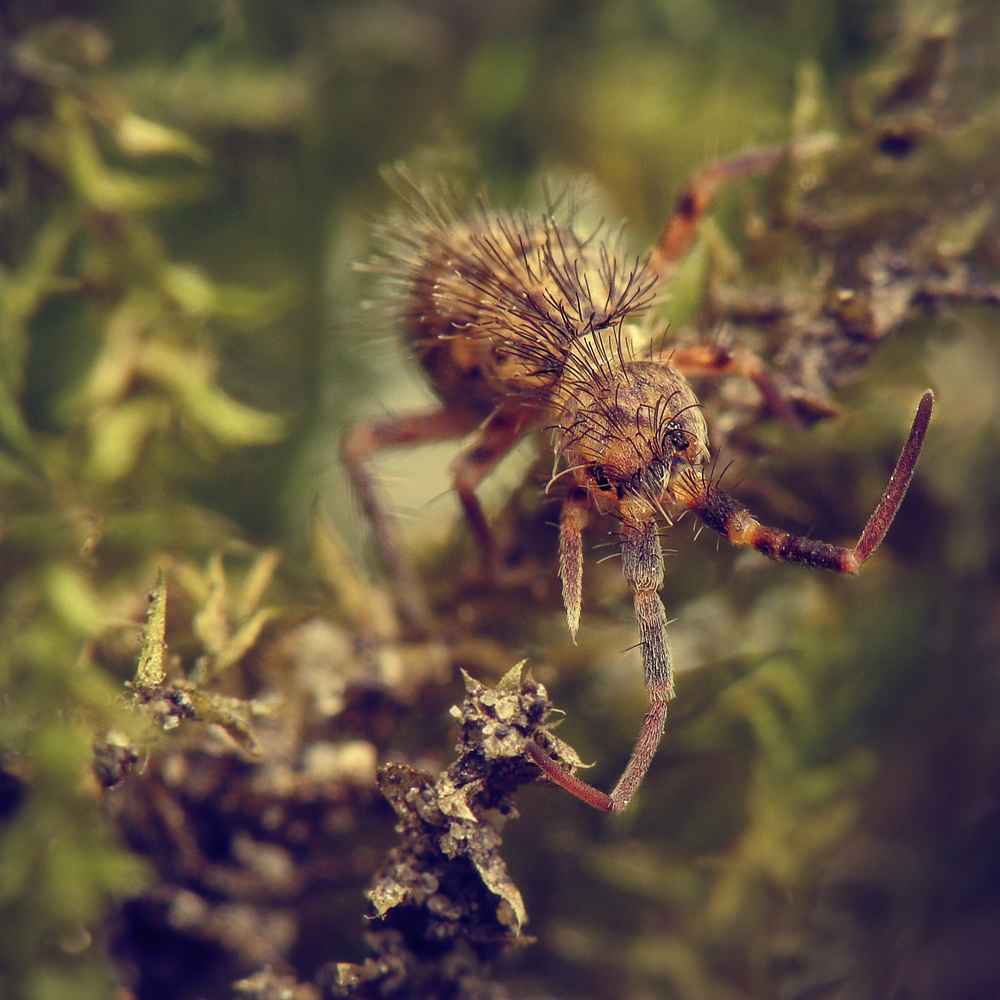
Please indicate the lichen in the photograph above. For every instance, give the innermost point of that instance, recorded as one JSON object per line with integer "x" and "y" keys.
{"x": 446, "y": 884}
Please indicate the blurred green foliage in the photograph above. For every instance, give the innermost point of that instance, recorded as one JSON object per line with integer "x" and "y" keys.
{"x": 183, "y": 186}
{"x": 109, "y": 388}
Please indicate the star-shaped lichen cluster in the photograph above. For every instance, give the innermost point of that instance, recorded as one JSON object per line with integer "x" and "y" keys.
{"x": 445, "y": 884}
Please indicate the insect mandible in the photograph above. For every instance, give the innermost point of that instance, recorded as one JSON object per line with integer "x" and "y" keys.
{"x": 520, "y": 323}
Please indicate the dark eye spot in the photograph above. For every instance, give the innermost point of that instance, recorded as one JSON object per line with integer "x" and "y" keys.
{"x": 597, "y": 473}
{"x": 678, "y": 439}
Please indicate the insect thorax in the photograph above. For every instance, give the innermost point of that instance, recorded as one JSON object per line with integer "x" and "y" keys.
{"x": 627, "y": 426}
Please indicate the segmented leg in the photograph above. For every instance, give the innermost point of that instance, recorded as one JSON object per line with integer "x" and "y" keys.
{"x": 498, "y": 434}
{"x": 713, "y": 361}
{"x": 676, "y": 239}
{"x": 642, "y": 561}
{"x": 360, "y": 443}
{"x": 694, "y": 201}
{"x": 730, "y": 518}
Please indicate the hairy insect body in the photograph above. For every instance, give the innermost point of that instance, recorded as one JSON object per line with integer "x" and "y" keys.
{"x": 511, "y": 313}
{"x": 492, "y": 304}
{"x": 627, "y": 428}
{"x": 520, "y": 322}
{"x": 446, "y": 322}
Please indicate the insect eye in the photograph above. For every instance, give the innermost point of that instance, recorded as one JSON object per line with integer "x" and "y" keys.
{"x": 678, "y": 439}
{"x": 597, "y": 473}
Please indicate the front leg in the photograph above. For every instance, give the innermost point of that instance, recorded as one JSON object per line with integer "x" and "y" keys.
{"x": 715, "y": 361}
{"x": 696, "y": 199}
{"x": 642, "y": 561}
{"x": 730, "y": 518}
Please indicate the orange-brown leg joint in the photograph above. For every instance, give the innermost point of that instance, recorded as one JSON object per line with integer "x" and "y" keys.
{"x": 730, "y": 518}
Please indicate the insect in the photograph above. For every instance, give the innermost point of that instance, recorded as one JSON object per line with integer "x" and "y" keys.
{"x": 520, "y": 323}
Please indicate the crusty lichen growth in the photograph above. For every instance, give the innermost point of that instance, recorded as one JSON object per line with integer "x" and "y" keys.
{"x": 445, "y": 884}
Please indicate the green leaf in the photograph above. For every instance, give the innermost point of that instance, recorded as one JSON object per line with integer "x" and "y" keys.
{"x": 150, "y": 673}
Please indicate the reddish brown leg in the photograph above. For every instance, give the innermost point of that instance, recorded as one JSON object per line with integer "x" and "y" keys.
{"x": 696, "y": 199}
{"x": 643, "y": 565}
{"x": 730, "y": 518}
{"x": 363, "y": 441}
{"x": 679, "y": 233}
{"x": 711, "y": 361}
{"x": 501, "y": 431}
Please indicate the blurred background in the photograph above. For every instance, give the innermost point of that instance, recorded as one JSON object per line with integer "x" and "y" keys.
{"x": 185, "y": 186}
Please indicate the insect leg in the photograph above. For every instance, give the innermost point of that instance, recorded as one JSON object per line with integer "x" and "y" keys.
{"x": 360, "y": 443}
{"x": 572, "y": 520}
{"x": 695, "y": 200}
{"x": 495, "y": 438}
{"x": 643, "y": 564}
{"x": 642, "y": 561}
{"x": 713, "y": 361}
{"x": 730, "y": 518}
